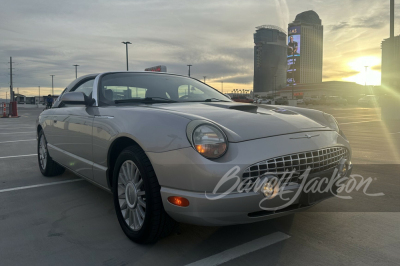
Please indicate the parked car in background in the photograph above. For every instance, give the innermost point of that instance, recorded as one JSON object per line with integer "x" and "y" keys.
{"x": 264, "y": 101}
{"x": 314, "y": 99}
{"x": 242, "y": 99}
{"x": 368, "y": 100}
{"x": 281, "y": 101}
{"x": 335, "y": 100}
{"x": 351, "y": 99}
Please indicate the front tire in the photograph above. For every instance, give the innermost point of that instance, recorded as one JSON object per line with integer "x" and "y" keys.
{"x": 47, "y": 166}
{"x": 137, "y": 198}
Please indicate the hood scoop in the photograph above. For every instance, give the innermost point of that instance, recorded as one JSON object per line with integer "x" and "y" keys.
{"x": 240, "y": 107}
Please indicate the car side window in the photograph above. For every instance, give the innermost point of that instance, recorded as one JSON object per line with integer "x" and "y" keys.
{"x": 86, "y": 87}
{"x": 184, "y": 91}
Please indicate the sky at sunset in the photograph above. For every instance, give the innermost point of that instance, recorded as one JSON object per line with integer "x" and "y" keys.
{"x": 48, "y": 37}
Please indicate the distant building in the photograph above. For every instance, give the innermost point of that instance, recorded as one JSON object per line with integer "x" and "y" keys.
{"x": 305, "y": 49}
{"x": 269, "y": 59}
{"x": 391, "y": 63}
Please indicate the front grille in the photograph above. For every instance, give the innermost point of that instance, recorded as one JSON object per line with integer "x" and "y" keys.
{"x": 318, "y": 160}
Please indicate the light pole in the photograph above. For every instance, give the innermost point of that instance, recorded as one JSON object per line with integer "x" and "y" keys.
{"x": 52, "y": 85}
{"x": 76, "y": 71}
{"x": 189, "y": 69}
{"x": 39, "y": 95}
{"x": 126, "y": 44}
{"x": 204, "y": 79}
{"x": 222, "y": 86}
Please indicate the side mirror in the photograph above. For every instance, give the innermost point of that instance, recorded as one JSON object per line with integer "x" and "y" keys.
{"x": 75, "y": 97}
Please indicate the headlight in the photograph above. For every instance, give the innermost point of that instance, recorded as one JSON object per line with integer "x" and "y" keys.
{"x": 332, "y": 123}
{"x": 207, "y": 139}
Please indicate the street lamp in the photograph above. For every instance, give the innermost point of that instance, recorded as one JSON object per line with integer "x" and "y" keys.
{"x": 189, "y": 69}
{"x": 76, "y": 71}
{"x": 52, "y": 85}
{"x": 126, "y": 44}
{"x": 222, "y": 86}
{"x": 204, "y": 79}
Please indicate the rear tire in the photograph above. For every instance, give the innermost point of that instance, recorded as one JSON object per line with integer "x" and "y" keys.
{"x": 47, "y": 166}
{"x": 137, "y": 198}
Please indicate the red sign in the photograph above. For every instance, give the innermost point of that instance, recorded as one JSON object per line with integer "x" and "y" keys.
{"x": 157, "y": 69}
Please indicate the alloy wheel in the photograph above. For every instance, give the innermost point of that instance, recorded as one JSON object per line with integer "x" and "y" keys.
{"x": 42, "y": 152}
{"x": 131, "y": 195}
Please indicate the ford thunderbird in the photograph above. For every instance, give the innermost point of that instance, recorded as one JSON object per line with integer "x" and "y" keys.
{"x": 172, "y": 149}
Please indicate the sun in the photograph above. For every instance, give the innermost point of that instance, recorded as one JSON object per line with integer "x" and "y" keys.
{"x": 368, "y": 76}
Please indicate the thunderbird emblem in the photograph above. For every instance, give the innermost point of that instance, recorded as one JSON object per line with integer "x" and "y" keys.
{"x": 306, "y": 136}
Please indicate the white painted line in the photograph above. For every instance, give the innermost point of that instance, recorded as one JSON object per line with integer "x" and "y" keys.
{"x": 359, "y": 122}
{"x": 17, "y": 133}
{"x": 241, "y": 250}
{"x": 40, "y": 185}
{"x": 15, "y": 156}
{"x": 17, "y": 140}
{"x": 3, "y": 128}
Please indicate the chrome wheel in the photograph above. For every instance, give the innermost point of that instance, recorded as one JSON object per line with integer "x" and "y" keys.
{"x": 42, "y": 152}
{"x": 131, "y": 195}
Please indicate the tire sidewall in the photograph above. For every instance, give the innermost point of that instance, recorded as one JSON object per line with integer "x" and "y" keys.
{"x": 140, "y": 235}
{"x": 43, "y": 171}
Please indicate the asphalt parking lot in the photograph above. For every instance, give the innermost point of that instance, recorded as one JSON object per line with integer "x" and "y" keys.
{"x": 72, "y": 222}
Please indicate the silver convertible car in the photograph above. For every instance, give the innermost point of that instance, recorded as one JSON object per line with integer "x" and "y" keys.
{"x": 172, "y": 149}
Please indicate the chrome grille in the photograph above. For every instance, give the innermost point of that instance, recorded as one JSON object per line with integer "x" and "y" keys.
{"x": 318, "y": 160}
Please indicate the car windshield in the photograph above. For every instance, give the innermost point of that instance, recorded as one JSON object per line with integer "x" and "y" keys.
{"x": 120, "y": 88}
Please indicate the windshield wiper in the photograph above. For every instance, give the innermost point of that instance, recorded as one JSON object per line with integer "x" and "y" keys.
{"x": 146, "y": 100}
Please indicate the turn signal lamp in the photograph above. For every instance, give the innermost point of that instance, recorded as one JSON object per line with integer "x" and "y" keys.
{"x": 178, "y": 201}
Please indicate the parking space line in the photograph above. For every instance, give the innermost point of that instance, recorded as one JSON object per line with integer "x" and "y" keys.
{"x": 17, "y": 133}
{"x": 17, "y": 140}
{"x": 15, "y": 156}
{"x": 241, "y": 250}
{"x": 40, "y": 185}
{"x": 15, "y": 127}
{"x": 359, "y": 122}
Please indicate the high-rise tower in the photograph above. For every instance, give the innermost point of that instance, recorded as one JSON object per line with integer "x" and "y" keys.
{"x": 305, "y": 49}
{"x": 269, "y": 59}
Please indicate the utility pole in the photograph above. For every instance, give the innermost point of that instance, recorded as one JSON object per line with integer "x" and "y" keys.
{"x": 6, "y": 96}
{"x": 39, "y": 95}
{"x": 204, "y": 79}
{"x": 11, "y": 81}
{"x": 126, "y": 44}
{"x": 76, "y": 71}
{"x": 189, "y": 69}
{"x": 52, "y": 85}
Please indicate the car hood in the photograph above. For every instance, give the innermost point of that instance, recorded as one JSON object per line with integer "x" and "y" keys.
{"x": 243, "y": 122}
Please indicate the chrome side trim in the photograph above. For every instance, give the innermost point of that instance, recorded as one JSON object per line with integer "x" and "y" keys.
{"x": 77, "y": 158}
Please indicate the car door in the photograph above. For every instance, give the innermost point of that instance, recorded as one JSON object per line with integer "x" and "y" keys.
{"x": 72, "y": 133}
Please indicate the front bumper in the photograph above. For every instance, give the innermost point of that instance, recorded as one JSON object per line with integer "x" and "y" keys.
{"x": 186, "y": 174}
